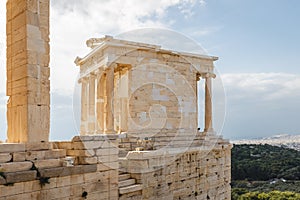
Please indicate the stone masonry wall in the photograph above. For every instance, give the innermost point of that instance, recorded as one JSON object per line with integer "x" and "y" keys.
{"x": 45, "y": 170}
{"x": 194, "y": 173}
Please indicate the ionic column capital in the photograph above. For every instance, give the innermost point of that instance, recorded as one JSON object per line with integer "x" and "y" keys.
{"x": 207, "y": 75}
{"x": 83, "y": 79}
{"x": 92, "y": 75}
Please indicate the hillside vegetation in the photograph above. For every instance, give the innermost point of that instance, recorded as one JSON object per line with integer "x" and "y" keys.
{"x": 264, "y": 162}
{"x": 265, "y": 172}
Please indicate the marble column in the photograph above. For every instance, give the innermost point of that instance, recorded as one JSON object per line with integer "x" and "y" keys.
{"x": 108, "y": 105}
{"x": 208, "y": 103}
{"x": 100, "y": 102}
{"x": 84, "y": 106}
{"x": 97, "y": 77}
{"x": 92, "y": 104}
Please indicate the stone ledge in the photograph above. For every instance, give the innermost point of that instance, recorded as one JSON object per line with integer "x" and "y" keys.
{"x": 11, "y": 147}
{"x": 16, "y": 177}
{"x": 45, "y": 154}
{"x": 16, "y": 166}
{"x": 85, "y": 145}
{"x": 67, "y": 171}
{"x": 100, "y": 137}
{"x": 36, "y": 146}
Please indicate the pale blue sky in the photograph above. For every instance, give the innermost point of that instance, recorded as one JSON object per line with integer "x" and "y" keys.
{"x": 257, "y": 41}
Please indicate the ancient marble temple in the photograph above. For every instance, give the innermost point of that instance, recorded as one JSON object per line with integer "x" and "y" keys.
{"x": 121, "y": 80}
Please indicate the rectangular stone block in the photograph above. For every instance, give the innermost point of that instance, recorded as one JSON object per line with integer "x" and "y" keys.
{"x": 63, "y": 181}
{"x": 17, "y": 188}
{"x": 39, "y": 117}
{"x": 62, "y": 145}
{"x": 44, "y": 155}
{"x": 50, "y": 163}
{"x": 35, "y": 155}
{"x": 53, "y": 172}
{"x": 67, "y": 171}
{"x": 103, "y": 152}
{"x": 17, "y": 48}
{"x": 32, "y": 6}
{"x": 19, "y": 20}
{"x": 86, "y": 160}
{"x": 77, "y": 179}
{"x": 107, "y": 158}
{"x": 102, "y": 137}
{"x": 15, "y": 177}
{"x": 89, "y": 152}
{"x": 55, "y": 153}
{"x": 19, "y": 100}
{"x": 19, "y": 156}
{"x": 86, "y": 145}
{"x": 15, "y": 166}
{"x": 32, "y": 18}
{"x": 82, "y": 169}
{"x": 56, "y": 193}
{"x": 5, "y": 157}
{"x": 11, "y": 147}
{"x": 103, "y": 167}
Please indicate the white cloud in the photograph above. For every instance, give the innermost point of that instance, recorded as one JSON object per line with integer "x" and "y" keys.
{"x": 72, "y": 24}
{"x": 261, "y": 104}
{"x": 265, "y": 86}
{"x": 186, "y": 7}
{"x": 205, "y": 31}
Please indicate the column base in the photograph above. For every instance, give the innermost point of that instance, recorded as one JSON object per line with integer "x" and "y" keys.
{"x": 110, "y": 132}
{"x": 209, "y": 130}
{"x": 99, "y": 132}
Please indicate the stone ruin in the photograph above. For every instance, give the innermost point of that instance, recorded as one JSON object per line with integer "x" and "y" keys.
{"x": 139, "y": 137}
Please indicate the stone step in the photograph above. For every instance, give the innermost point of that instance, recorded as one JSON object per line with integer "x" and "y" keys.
{"x": 131, "y": 188}
{"x": 127, "y": 182}
{"x": 137, "y": 195}
{"x": 123, "y": 177}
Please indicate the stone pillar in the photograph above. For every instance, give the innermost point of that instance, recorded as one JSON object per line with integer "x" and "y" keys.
{"x": 92, "y": 105}
{"x": 100, "y": 102}
{"x": 208, "y": 104}
{"x": 28, "y": 85}
{"x": 97, "y": 77}
{"x": 123, "y": 94}
{"x": 84, "y": 106}
{"x": 108, "y": 105}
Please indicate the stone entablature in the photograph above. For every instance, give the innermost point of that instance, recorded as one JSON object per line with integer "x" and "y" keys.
{"x": 107, "y": 50}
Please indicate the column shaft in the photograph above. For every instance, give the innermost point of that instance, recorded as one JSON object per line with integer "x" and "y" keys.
{"x": 100, "y": 103}
{"x": 109, "y": 111}
{"x": 84, "y": 107}
{"x": 92, "y": 105}
{"x": 208, "y": 105}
